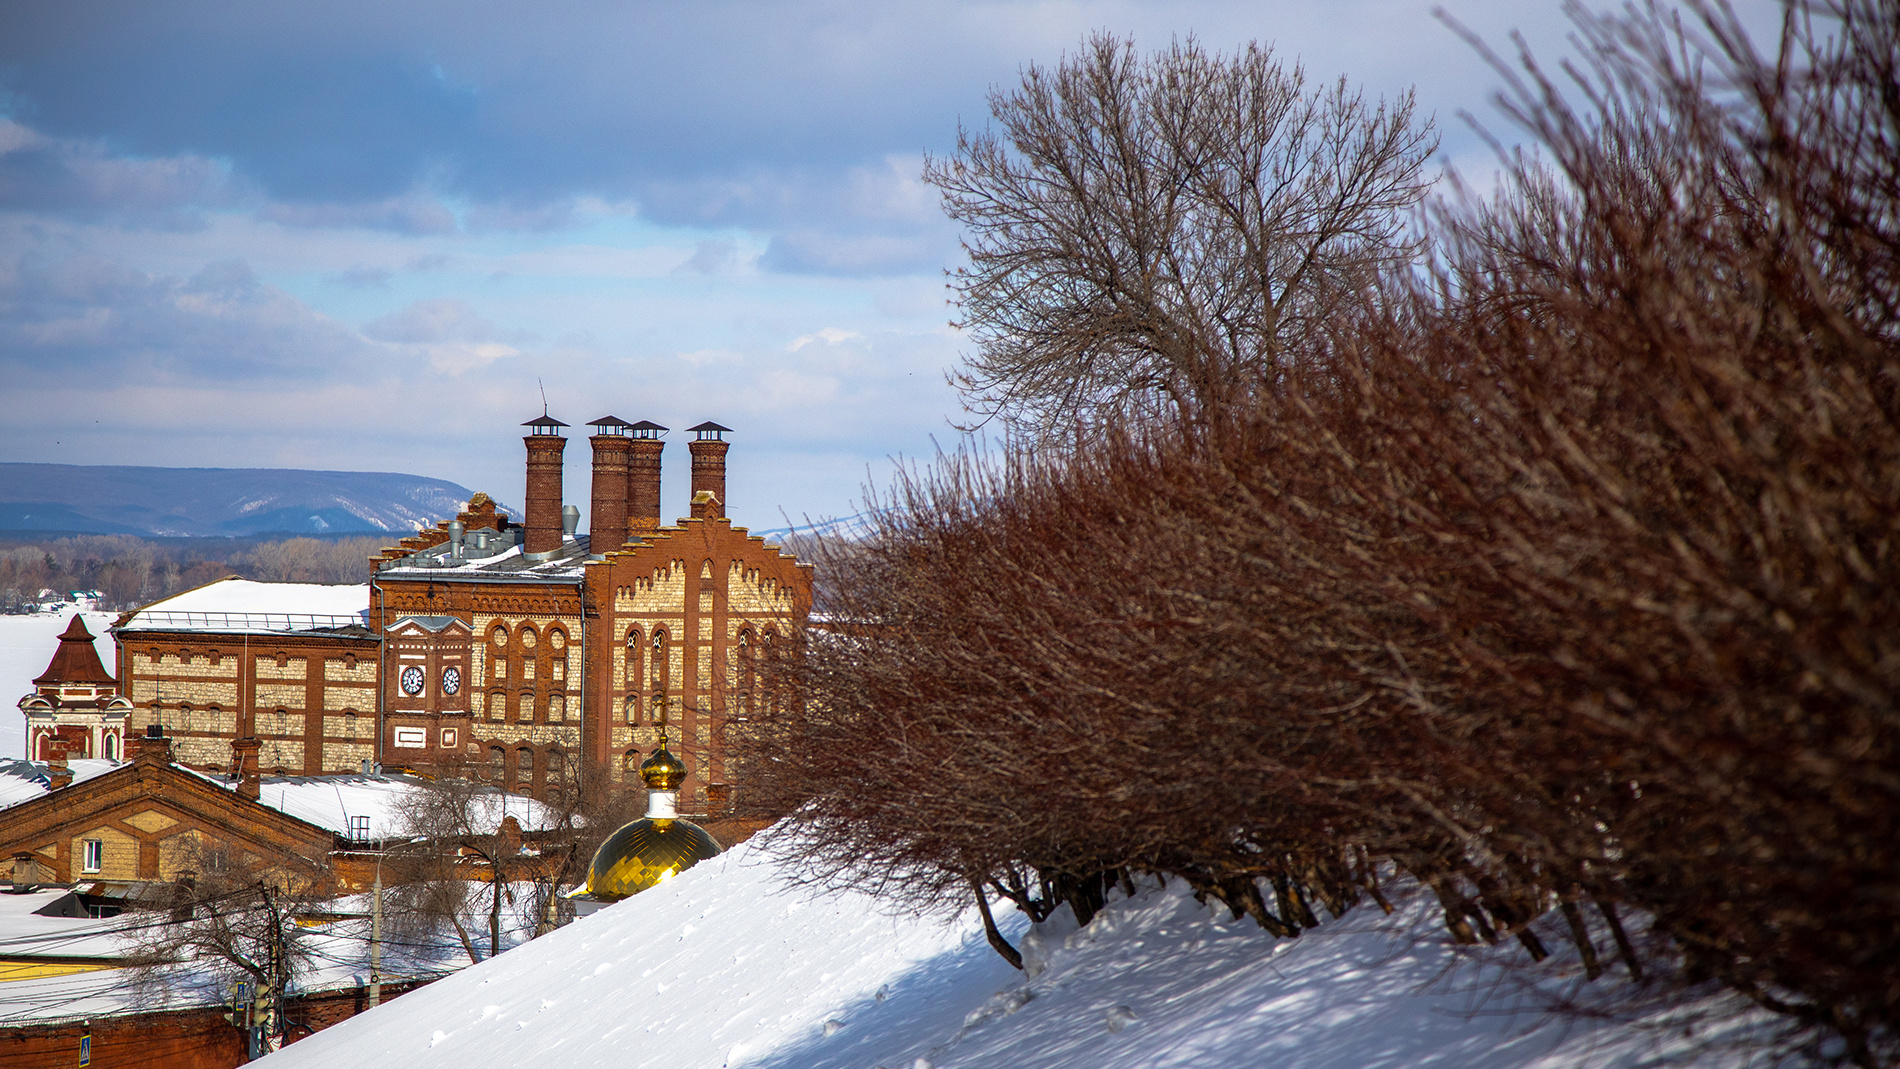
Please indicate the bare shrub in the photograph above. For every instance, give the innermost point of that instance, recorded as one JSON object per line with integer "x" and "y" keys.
{"x": 1562, "y": 575}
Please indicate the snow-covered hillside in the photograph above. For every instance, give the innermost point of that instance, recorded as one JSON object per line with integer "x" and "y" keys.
{"x": 27, "y": 644}
{"x": 729, "y": 965}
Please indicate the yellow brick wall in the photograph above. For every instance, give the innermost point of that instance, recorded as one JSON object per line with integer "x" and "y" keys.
{"x": 287, "y": 695}
{"x": 121, "y": 855}
{"x": 336, "y": 671}
{"x": 294, "y": 667}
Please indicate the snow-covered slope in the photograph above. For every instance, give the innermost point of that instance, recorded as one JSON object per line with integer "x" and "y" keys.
{"x": 729, "y": 965}
{"x": 218, "y": 501}
{"x": 27, "y": 645}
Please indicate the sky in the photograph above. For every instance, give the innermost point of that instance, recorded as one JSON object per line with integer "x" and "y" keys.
{"x": 369, "y": 235}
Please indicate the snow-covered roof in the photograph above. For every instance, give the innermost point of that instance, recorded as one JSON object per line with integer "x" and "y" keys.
{"x": 728, "y": 965}
{"x": 24, "y": 933}
{"x": 330, "y": 802}
{"x": 23, "y": 781}
{"x": 241, "y": 605}
{"x": 335, "y": 957}
{"x": 505, "y": 564}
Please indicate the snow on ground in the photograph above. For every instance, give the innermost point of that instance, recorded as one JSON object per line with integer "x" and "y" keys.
{"x": 27, "y": 645}
{"x": 728, "y": 965}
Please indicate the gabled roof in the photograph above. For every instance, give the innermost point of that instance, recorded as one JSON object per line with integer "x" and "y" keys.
{"x": 151, "y": 778}
{"x": 76, "y": 660}
{"x": 430, "y": 623}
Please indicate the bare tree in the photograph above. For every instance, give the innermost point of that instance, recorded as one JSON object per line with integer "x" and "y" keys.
{"x": 1146, "y": 236}
{"x": 232, "y": 914}
{"x": 468, "y": 847}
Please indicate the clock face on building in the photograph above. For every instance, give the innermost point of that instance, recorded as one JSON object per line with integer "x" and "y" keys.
{"x": 451, "y": 680}
{"x": 412, "y": 680}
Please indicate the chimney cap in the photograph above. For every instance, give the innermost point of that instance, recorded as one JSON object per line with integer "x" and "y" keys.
{"x": 709, "y": 430}
{"x": 646, "y": 428}
{"x": 544, "y": 424}
{"x": 609, "y": 425}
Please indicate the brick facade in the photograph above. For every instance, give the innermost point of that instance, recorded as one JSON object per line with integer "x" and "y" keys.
{"x": 146, "y": 817}
{"x": 309, "y": 697}
{"x": 563, "y": 648}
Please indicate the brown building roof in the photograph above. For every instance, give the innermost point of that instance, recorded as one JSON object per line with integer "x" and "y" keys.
{"x": 76, "y": 660}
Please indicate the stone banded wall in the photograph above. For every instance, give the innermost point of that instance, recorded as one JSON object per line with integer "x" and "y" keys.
{"x": 307, "y": 722}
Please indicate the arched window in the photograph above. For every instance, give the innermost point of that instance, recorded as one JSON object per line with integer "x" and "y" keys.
{"x": 633, "y": 709}
{"x": 112, "y": 747}
{"x": 630, "y": 761}
{"x": 524, "y": 768}
{"x": 184, "y": 716}
{"x": 557, "y": 766}
{"x": 748, "y": 665}
{"x": 662, "y": 664}
{"x": 497, "y": 765}
{"x": 557, "y": 708}
{"x": 497, "y": 705}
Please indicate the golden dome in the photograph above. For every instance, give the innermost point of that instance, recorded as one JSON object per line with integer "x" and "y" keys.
{"x": 663, "y": 771}
{"x": 645, "y": 852}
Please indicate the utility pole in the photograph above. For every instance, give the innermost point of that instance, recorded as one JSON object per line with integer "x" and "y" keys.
{"x": 376, "y": 940}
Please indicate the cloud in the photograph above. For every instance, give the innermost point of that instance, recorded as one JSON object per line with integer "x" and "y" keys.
{"x": 714, "y": 256}
{"x": 362, "y": 277}
{"x": 828, "y": 335}
{"x": 80, "y": 177}
{"x": 411, "y": 213}
{"x": 452, "y": 336}
{"x": 90, "y": 316}
{"x": 820, "y": 253}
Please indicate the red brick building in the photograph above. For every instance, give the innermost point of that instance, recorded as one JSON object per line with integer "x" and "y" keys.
{"x": 292, "y": 665}
{"x": 525, "y": 654}
{"x": 573, "y": 643}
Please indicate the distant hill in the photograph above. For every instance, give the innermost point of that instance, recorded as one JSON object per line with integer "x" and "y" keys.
{"x": 175, "y": 502}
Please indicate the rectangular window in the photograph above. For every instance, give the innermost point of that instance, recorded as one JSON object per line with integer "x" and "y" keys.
{"x": 414, "y": 737}
{"x": 94, "y": 858}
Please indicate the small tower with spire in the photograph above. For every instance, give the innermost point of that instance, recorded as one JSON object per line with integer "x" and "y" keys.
{"x": 75, "y": 709}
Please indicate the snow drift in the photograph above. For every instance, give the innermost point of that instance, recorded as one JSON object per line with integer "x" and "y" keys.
{"x": 730, "y": 964}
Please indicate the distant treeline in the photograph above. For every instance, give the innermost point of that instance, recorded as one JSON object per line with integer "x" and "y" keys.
{"x": 129, "y": 571}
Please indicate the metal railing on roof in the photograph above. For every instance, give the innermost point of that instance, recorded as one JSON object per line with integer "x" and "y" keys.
{"x": 244, "y": 621}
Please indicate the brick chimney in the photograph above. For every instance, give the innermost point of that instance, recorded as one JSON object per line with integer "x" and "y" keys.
{"x": 643, "y": 479}
{"x": 709, "y": 469}
{"x": 58, "y": 772}
{"x": 541, "y": 534}
{"x": 244, "y": 763}
{"x": 154, "y": 747}
{"x": 607, "y": 522}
